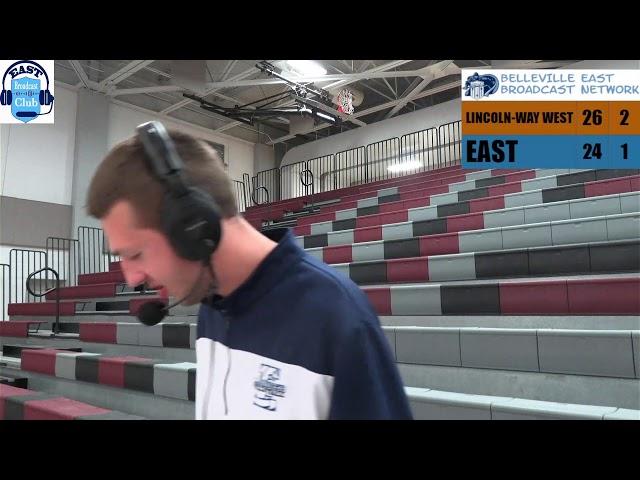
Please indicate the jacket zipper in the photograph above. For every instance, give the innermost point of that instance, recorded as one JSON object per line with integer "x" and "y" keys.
{"x": 224, "y": 388}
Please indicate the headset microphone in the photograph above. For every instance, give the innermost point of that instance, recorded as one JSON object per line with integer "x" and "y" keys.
{"x": 153, "y": 312}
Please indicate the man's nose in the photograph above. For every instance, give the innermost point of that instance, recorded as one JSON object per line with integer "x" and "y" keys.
{"x": 133, "y": 277}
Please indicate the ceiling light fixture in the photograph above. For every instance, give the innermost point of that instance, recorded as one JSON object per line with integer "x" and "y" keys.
{"x": 306, "y": 67}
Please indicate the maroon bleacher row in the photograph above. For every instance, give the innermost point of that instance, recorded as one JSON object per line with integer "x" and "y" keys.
{"x": 95, "y": 332}
{"x": 468, "y": 221}
{"x": 416, "y": 195}
{"x": 23, "y": 404}
{"x": 110, "y": 369}
{"x": 395, "y": 212}
{"x": 91, "y": 285}
{"x": 613, "y": 296}
{"x": 355, "y": 189}
{"x": 129, "y": 372}
{"x": 69, "y": 308}
{"x": 275, "y": 210}
{"x": 18, "y": 328}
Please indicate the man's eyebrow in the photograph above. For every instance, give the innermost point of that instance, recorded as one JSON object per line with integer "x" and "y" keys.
{"x": 123, "y": 252}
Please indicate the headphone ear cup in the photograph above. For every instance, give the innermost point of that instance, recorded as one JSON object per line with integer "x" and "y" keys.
{"x": 5, "y": 97}
{"x": 192, "y": 224}
{"x": 45, "y": 97}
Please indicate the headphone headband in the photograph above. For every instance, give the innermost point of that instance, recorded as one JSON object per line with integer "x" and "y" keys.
{"x": 163, "y": 156}
{"x": 4, "y": 77}
{"x": 190, "y": 216}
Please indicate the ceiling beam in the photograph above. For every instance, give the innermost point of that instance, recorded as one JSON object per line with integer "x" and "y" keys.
{"x": 407, "y": 98}
{"x": 134, "y": 91}
{"x": 340, "y": 83}
{"x": 373, "y": 89}
{"x": 82, "y": 75}
{"x": 346, "y": 64}
{"x": 227, "y": 70}
{"x": 364, "y": 84}
{"x": 529, "y": 64}
{"x": 426, "y": 93}
{"x": 365, "y": 65}
{"x": 124, "y": 73}
{"x": 232, "y": 100}
{"x": 384, "y": 95}
{"x": 414, "y": 84}
{"x": 381, "y": 68}
{"x": 437, "y": 70}
{"x": 395, "y": 93}
{"x": 348, "y": 77}
{"x": 205, "y": 130}
{"x": 209, "y": 91}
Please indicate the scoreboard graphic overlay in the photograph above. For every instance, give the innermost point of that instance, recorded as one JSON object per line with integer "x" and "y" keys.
{"x": 583, "y": 119}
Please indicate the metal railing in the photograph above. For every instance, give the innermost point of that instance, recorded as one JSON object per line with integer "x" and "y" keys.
{"x": 22, "y": 263}
{"x": 70, "y": 257}
{"x": 246, "y": 182}
{"x": 450, "y": 144}
{"x": 270, "y": 180}
{"x": 421, "y": 150}
{"x": 240, "y": 194}
{"x": 351, "y": 167}
{"x": 317, "y": 166}
{"x": 56, "y": 325}
{"x": 304, "y": 179}
{"x": 63, "y": 255}
{"x": 254, "y": 195}
{"x": 5, "y": 289}
{"x": 291, "y": 187}
{"x": 383, "y": 159}
{"x": 93, "y": 252}
{"x": 414, "y": 152}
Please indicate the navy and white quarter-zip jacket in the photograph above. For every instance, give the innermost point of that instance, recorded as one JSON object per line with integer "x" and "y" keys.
{"x": 298, "y": 340}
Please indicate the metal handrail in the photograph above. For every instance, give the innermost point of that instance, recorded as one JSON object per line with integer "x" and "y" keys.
{"x": 308, "y": 172}
{"x": 6, "y": 290}
{"x": 253, "y": 195}
{"x": 440, "y": 145}
{"x": 56, "y": 325}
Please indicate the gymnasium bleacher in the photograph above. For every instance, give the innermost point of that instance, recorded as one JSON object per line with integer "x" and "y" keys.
{"x": 504, "y": 294}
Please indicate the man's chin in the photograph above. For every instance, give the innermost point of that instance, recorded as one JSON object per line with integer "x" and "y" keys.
{"x": 196, "y": 296}
{"x": 188, "y": 302}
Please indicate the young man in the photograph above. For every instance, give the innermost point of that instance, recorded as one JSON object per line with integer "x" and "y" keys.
{"x": 281, "y": 335}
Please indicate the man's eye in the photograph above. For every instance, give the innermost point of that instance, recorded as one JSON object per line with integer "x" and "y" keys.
{"x": 135, "y": 257}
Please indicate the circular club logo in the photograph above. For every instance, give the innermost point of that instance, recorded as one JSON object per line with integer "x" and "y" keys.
{"x": 480, "y": 86}
{"x": 27, "y": 91}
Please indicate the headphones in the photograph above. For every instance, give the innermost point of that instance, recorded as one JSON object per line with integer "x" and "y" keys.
{"x": 45, "y": 97}
{"x": 190, "y": 217}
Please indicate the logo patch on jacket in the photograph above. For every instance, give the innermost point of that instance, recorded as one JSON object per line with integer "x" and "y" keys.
{"x": 267, "y": 390}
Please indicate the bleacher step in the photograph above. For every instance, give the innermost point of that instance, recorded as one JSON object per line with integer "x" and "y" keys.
{"x": 18, "y": 381}
{"x": 15, "y": 351}
{"x": 583, "y": 322}
{"x": 28, "y": 404}
{"x": 581, "y": 389}
{"x": 429, "y": 404}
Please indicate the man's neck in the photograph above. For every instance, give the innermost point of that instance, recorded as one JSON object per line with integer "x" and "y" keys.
{"x": 241, "y": 249}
